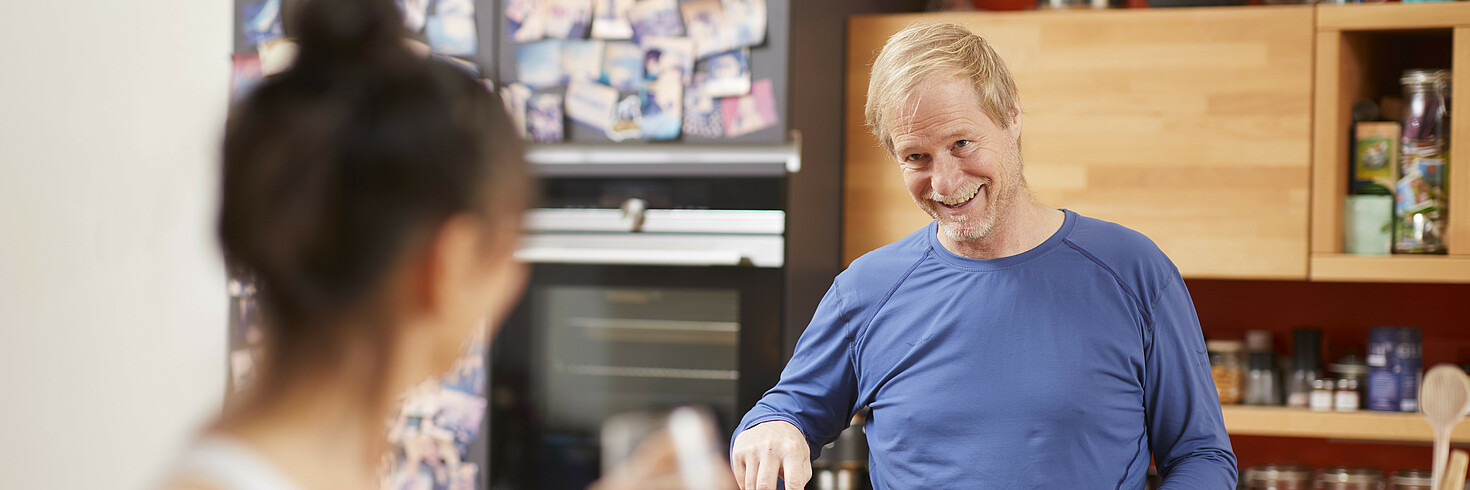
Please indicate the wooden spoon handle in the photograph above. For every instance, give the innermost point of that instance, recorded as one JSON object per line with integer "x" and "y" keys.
{"x": 1441, "y": 453}
{"x": 1454, "y": 473}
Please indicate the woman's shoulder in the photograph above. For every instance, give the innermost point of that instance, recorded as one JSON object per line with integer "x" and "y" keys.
{"x": 220, "y": 462}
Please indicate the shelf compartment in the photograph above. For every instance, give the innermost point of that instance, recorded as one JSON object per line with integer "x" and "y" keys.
{"x": 1390, "y": 16}
{"x": 1390, "y": 268}
{"x": 1361, "y": 425}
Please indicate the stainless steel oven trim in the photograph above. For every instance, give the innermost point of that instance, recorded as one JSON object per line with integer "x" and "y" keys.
{"x": 653, "y": 249}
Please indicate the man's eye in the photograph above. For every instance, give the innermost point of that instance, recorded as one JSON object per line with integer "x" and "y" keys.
{"x": 961, "y": 143}
{"x": 913, "y": 157}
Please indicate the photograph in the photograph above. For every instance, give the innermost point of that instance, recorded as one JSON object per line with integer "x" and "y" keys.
{"x": 663, "y": 103}
{"x": 655, "y": 18}
{"x": 525, "y": 20}
{"x": 260, "y": 21}
{"x": 581, "y": 59}
{"x": 414, "y": 13}
{"x": 610, "y": 19}
{"x": 702, "y": 116}
{"x": 749, "y": 113}
{"x": 567, "y": 19}
{"x": 543, "y": 118}
{"x": 622, "y": 66}
{"x": 244, "y": 75}
{"x": 705, "y": 23}
{"x": 627, "y": 120}
{"x": 515, "y": 96}
{"x": 451, "y": 30}
{"x": 591, "y": 103}
{"x": 538, "y": 64}
{"x": 745, "y": 21}
{"x": 726, "y": 74}
{"x": 661, "y": 54}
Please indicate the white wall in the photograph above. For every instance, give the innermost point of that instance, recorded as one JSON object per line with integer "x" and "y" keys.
{"x": 112, "y": 302}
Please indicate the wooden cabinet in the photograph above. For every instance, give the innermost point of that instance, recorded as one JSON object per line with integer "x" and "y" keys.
{"x": 1192, "y": 126}
{"x": 1361, "y": 51}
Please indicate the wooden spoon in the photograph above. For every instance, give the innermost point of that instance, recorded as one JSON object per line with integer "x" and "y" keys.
{"x": 1442, "y": 400}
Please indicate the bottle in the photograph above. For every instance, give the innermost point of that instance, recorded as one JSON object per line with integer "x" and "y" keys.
{"x": 1261, "y": 384}
{"x": 1306, "y": 366}
{"x": 1321, "y": 398}
{"x": 1420, "y": 201}
{"x": 1346, "y": 398}
{"x": 1225, "y": 369}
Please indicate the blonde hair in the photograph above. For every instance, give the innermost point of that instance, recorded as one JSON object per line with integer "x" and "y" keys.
{"x": 926, "y": 51}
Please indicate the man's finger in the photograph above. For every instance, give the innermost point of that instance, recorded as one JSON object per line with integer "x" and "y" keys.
{"x": 752, "y": 466}
{"x": 737, "y": 467}
{"x": 796, "y": 470}
{"x": 770, "y": 468}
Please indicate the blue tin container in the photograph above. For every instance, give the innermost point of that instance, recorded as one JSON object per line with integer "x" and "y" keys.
{"x": 1394, "y": 359}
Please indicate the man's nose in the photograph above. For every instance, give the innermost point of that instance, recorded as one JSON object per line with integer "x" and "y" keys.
{"x": 947, "y": 177}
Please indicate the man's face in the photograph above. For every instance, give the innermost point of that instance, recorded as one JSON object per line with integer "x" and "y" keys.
{"x": 958, "y": 165}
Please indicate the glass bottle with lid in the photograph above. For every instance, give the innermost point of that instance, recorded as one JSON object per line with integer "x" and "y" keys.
{"x": 1225, "y": 369}
{"x": 1349, "y": 478}
{"x": 1279, "y": 477}
{"x": 1420, "y": 198}
{"x": 1412, "y": 479}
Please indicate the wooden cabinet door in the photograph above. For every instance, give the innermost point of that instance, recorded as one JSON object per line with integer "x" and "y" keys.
{"x": 1192, "y": 126}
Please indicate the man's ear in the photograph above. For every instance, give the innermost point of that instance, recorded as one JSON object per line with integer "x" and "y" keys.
{"x": 1015, "y": 128}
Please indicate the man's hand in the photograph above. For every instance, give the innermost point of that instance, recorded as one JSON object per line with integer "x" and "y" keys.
{"x": 768, "y": 450}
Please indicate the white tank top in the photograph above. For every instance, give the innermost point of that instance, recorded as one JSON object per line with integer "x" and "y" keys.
{"x": 224, "y": 462}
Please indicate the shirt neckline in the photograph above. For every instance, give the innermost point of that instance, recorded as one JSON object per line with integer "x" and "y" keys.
{"x": 931, "y": 233}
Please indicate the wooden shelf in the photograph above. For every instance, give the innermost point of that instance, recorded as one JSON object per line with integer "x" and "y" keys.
{"x": 1391, "y": 16}
{"x": 1363, "y": 425}
{"x": 1390, "y": 268}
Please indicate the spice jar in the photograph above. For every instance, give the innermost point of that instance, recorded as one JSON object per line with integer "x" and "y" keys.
{"x": 1279, "y": 477}
{"x": 1348, "y": 478}
{"x": 1347, "y": 398}
{"x": 1321, "y": 398}
{"x": 1225, "y": 369}
{"x": 1412, "y": 479}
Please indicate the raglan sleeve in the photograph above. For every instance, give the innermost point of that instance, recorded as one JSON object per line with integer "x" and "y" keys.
{"x": 1186, "y": 430}
{"x": 818, "y": 387}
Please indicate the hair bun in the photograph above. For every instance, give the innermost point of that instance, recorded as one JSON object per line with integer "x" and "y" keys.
{"x": 334, "y": 32}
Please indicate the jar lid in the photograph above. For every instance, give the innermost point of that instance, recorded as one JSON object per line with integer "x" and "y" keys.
{"x": 1223, "y": 346}
{"x": 1413, "y": 476}
{"x": 1347, "y": 474}
{"x": 1323, "y": 383}
{"x": 1424, "y": 76}
{"x": 1270, "y": 472}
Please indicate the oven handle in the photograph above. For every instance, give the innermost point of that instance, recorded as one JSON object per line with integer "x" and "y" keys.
{"x": 614, "y": 256}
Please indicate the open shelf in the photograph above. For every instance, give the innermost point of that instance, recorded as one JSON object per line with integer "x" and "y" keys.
{"x": 1361, "y": 52}
{"x": 1390, "y": 268}
{"x": 1363, "y": 425}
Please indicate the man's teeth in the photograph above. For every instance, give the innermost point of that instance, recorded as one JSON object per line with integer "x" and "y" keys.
{"x": 959, "y": 201}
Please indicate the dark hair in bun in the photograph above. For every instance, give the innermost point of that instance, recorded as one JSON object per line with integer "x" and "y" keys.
{"x": 335, "y": 166}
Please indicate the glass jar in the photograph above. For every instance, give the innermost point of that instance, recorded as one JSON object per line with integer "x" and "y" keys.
{"x": 1225, "y": 369}
{"x": 1419, "y": 198}
{"x": 1348, "y": 478}
{"x": 1271, "y": 476}
{"x": 1412, "y": 479}
{"x": 1347, "y": 398}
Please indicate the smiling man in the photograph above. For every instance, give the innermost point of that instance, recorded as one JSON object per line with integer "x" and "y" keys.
{"x": 1004, "y": 345}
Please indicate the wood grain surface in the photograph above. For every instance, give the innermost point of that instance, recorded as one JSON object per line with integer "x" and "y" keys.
{"x": 1192, "y": 126}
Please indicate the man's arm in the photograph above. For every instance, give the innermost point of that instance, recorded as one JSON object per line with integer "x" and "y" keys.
{"x": 1186, "y": 431}
{"x": 815, "y": 396}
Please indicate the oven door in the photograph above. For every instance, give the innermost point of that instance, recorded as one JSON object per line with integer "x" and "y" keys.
{"x": 592, "y": 340}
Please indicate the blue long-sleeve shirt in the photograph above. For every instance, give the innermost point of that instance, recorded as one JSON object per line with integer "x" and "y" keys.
{"x": 1065, "y": 366}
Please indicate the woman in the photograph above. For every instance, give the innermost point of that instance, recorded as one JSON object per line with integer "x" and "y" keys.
{"x": 376, "y": 194}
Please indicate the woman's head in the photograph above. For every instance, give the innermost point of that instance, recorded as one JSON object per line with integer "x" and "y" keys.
{"x": 370, "y": 189}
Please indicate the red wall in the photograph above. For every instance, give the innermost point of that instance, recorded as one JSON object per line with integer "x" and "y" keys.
{"x": 1345, "y": 312}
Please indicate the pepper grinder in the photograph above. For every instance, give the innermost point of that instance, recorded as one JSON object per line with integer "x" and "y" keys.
{"x": 1306, "y": 366}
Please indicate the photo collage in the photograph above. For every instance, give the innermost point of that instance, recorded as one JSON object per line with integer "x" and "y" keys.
{"x": 637, "y": 69}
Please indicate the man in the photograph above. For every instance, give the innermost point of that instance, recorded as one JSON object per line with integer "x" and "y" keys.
{"x": 1006, "y": 344}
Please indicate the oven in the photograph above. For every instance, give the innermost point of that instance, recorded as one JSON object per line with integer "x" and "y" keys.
{"x": 645, "y": 294}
